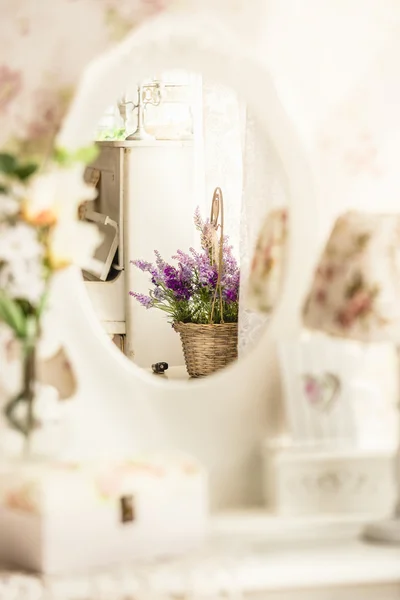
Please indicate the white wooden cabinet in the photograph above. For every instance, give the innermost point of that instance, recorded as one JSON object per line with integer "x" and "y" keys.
{"x": 250, "y": 556}
{"x": 147, "y": 187}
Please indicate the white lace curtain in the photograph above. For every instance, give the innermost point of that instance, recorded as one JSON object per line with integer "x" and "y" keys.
{"x": 236, "y": 156}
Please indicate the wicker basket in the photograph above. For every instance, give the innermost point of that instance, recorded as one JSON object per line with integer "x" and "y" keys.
{"x": 207, "y": 348}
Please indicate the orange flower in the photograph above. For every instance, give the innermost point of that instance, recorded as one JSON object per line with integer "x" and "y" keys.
{"x": 43, "y": 218}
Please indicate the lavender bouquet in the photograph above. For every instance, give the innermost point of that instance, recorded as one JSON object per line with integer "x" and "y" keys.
{"x": 189, "y": 292}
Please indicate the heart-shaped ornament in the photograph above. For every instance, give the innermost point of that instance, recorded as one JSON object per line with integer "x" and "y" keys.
{"x": 321, "y": 391}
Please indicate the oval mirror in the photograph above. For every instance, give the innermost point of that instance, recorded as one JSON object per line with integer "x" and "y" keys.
{"x": 184, "y": 179}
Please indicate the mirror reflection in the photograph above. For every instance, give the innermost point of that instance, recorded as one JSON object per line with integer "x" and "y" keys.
{"x": 182, "y": 186}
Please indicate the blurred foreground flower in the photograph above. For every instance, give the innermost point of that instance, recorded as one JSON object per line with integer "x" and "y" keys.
{"x": 55, "y": 196}
{"x": 72, "y": 242}
{"x": 39, "y": 233}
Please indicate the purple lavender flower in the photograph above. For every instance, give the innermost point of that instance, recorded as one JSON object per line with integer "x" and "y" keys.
{"x": 178, "y": 282}
{"x": 230, "y": 273}
{"x": 144, "y": 300}
{"x": 160, "y": 262}
{"x": 147, "y": 267}
{"x": 207, "y": 272}
{"x": 230, "y": 295}
{"x": 185, "y": 291}
{"x": 143, "y": 265}
{"x": 185, "y": 259}
{"x": 158, "y": 294}
{"x": 213, "y": 277}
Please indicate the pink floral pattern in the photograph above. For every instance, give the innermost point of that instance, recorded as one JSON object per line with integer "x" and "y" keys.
{"x": 22, "y": 498}
{"x": 36, "y": 489}
{"x": 36, "y": 87}
{"x": 122, "y": 15}
{"x": 321, "y": 391}
{"x": 356, "y": 291}
{"x": 109, "y": 483}
{"x": 268, "y": 262}
{"x": 10, "y": 86}
{"x": 363, "y": 157}
{"x": 360, "y": 156}
{"x": 349, "y": 141}
{"x": 359, "y": 301}
{"x": 39, "y": 133}
{"x": 50, "y": 107}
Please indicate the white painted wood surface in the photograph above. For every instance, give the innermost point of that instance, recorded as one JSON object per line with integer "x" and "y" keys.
{"x": 159, "y": 206}
{"x": 148, "y": 188}
{"x": 107, "y": 299}
{"x": 253, "y": 556}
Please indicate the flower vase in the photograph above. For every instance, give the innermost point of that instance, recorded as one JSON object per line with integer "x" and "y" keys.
{"x": 38, "y": 420}
{"x": 23, "y": 420}
{"x": 208, "y": 347}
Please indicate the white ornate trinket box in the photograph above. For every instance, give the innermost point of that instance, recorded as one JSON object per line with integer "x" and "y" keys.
{"x": 61, "y": 517}
{"x": 307, "y": 480}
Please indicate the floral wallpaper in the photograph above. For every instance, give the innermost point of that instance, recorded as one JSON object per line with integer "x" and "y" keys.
{"x": 60, "y": 38}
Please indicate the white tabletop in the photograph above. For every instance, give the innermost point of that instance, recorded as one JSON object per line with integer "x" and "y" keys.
{"x": 247, "y": 553}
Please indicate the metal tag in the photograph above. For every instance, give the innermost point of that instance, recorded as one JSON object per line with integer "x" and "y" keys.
{"x": 127, "y": 509}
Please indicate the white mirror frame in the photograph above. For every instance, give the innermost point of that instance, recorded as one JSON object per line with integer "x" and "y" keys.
{"x": 122, "y": 408}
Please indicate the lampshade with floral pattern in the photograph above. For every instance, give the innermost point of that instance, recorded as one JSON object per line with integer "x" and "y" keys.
{"x": 355, "y": 293}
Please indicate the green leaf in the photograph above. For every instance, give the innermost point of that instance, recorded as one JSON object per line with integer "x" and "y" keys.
{"x": 87, "y": 154}
{"x": 42, "y": 304}
{"x": 31, "y": 329}
{"x": 13, "y": 315}
{"x": 62, "y": 157}
{"x": 25, "y": 171}
{"x": 3, "y": 189}
{"x": 8, "y": 163}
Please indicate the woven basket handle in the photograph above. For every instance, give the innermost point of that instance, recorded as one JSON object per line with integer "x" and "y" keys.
{"x": 217, "y": 214}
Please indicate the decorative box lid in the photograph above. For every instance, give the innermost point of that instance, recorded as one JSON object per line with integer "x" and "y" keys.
{"x": 54, "y": 487}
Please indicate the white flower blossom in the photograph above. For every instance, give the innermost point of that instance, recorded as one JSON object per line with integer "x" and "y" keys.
{"x": 23, "y": 280}
{"x": 9, "y": 206}
{"x": 73, "y": 242}
{"x": 52, "y": 199}
{"x": 21, "y": 262}
{"x": 56, "y": 195}
{"x": 19, "y": 242}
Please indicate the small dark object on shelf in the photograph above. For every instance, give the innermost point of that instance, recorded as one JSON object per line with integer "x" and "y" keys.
{"x": 159, "y": 368}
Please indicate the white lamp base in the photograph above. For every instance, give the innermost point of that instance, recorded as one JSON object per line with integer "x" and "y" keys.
{"x": 387, "y": 532}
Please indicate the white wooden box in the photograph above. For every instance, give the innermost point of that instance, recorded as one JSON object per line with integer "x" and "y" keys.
{"x": 303, "y": 480}
{"x": 64, "y": 517}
